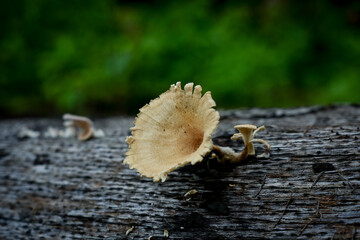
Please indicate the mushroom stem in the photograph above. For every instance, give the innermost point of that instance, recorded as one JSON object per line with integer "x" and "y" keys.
{"x": 227, "y": 154}
{"x": 247, "y": 133}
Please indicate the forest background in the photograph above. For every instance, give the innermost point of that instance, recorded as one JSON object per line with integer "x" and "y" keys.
{"x": 110, "y": 57}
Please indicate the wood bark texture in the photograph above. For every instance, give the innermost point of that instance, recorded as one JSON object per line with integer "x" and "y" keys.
{"x": 62, "y": 188}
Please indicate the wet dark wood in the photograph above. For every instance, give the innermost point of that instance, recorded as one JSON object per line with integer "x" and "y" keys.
{"x": 56, "y": 188}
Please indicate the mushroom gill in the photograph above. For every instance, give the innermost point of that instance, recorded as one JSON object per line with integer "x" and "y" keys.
{"x": 171, "y": 131}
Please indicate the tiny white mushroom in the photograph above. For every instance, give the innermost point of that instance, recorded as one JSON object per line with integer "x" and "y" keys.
{"x": 166, "y": 233}
{"x": 84, "y": 123}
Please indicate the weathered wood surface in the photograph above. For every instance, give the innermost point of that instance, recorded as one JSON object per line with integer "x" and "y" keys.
{"x": 57, "y": 188}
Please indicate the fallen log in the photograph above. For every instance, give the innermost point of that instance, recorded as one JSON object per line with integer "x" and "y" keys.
{"x": 62, "y": 188}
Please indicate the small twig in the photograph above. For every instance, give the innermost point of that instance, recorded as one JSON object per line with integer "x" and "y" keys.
{"x": 307, "y": 129}
{"x": 129, "y": 230}
{"x": 332, "y": 237}
{"x": 317, "y": 208}
{"x": 283, "y": 213}
{"x": 334, "y": 171}
{"x": 306, "y": 225}
{"x": 317, "y": 179}
{"x": 317, "y": 212}
{"x": 312, "y": 219}
{"x": 353, "y": 233}
{"x": 261, "y": 187}
{"x": 345, "y": 179}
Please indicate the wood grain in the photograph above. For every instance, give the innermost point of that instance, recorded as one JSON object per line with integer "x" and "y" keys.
{"x": 58, "y": 188}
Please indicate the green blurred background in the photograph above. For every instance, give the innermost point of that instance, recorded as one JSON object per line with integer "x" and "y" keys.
{"x": 107, "y": 57}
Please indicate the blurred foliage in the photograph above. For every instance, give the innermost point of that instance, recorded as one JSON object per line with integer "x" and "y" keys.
{"x": 110, "y": 57}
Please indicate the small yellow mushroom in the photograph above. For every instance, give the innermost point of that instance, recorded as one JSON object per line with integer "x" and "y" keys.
{"x": 84, "y": 123}
{"x": 247, "y": 133}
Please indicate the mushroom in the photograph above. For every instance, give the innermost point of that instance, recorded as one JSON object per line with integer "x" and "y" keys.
{"x": 247, "y": 133}
{"x": 175, "y": 129}
{"x": 84, "y": 123}
{"x": 171, "y": 131}
{"x": 27, "y": 133}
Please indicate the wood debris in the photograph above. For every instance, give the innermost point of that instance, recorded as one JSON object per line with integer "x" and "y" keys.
{"x": 189, "y": 193}
{"x": 129, "y": 230}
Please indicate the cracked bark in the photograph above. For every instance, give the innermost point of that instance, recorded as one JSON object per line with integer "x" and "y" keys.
{"x": 59, "y": 188}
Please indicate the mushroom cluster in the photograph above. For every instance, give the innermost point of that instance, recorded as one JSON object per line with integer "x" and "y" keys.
{"x": 175, "y": 129}
{"x": 247, "y": 133}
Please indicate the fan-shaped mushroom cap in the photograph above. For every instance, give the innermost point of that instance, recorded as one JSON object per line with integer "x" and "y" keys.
{"x": 171, "y": 131}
